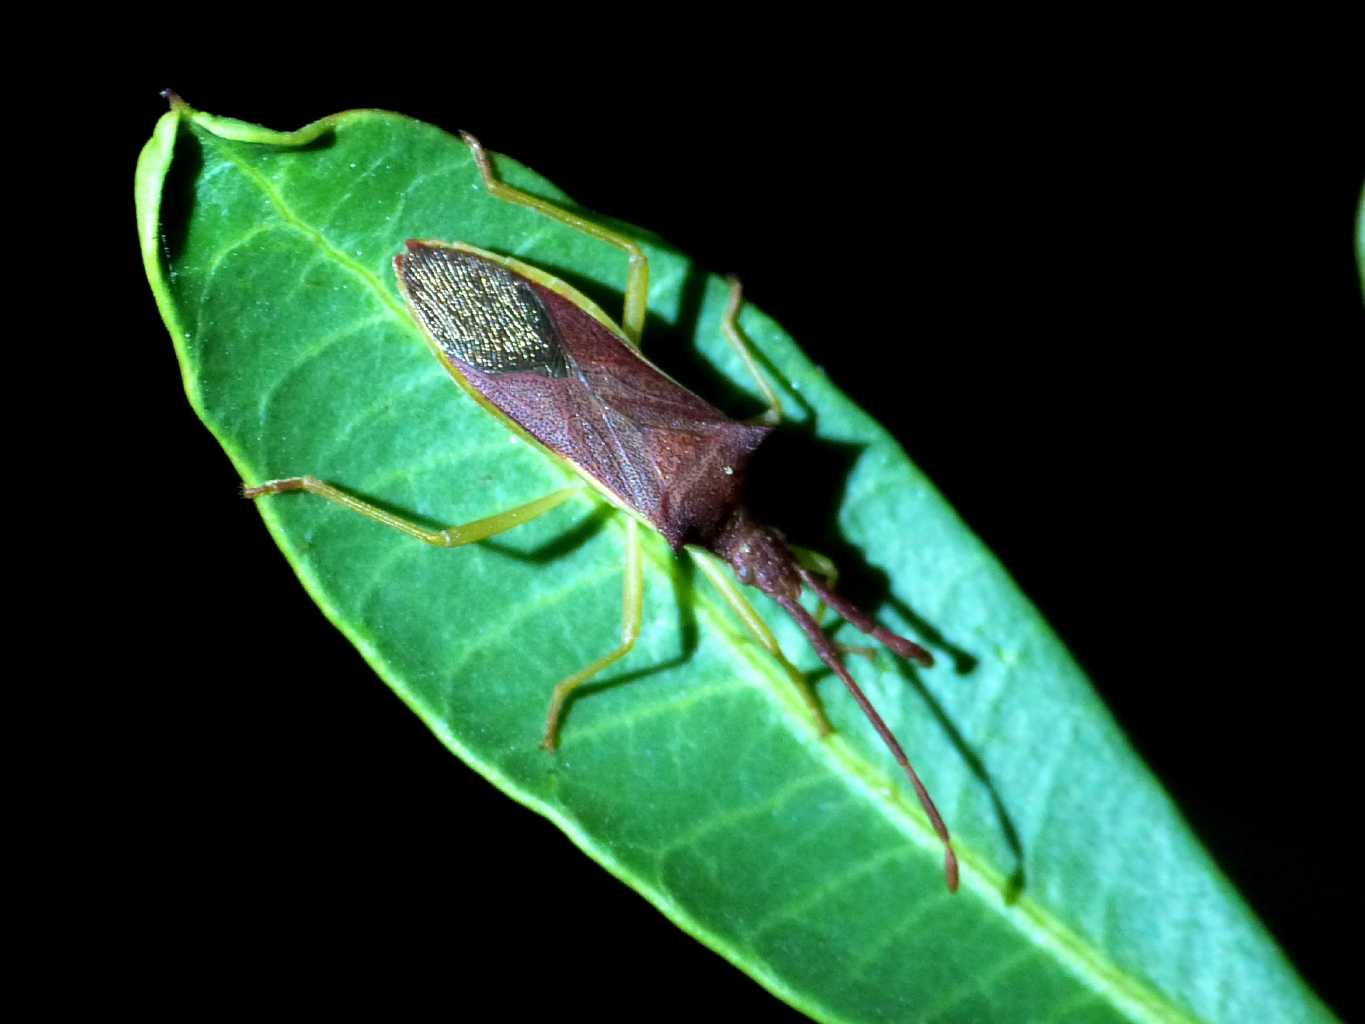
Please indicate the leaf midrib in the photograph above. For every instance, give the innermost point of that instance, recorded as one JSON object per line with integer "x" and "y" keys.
{"x": 1031, "y": 919}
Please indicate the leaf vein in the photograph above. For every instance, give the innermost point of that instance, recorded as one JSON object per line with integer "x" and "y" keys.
{"x": 304, "y": 360}
{"x": 692, "y": 696}
{"x": 309, "y": 231}
{"x": 219, "y": 258}
{"x": 719, "y": 822}
{"x": 978, "y": 983}
{"x": 828, "y": 889}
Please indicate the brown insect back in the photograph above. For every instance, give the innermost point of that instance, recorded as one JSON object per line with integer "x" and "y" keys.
{"x": 545, "y": 359}
{"x": 580, "y": 389}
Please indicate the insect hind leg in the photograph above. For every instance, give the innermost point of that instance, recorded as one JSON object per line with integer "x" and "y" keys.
{"x": 449, "y": 537}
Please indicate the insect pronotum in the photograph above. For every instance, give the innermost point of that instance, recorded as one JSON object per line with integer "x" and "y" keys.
{"x": 536, "y": 352}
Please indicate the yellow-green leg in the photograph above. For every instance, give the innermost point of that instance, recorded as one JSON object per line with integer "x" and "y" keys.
{"x": 730, "y": 328}
{"x": 637, "y": 278}
{"x": 467, "y": 533}
{"x": 449, "y": 537}
{"x": 822, "y": 566}
{"x": 633, "y": 605}
{"x": 719, "y": 574}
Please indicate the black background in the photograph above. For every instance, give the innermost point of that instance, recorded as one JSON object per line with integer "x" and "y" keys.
{"x": 1107, "y": 308}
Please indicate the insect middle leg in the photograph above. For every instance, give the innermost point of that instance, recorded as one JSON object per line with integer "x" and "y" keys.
{"x": 449, "y": 537}
{"x": 633, "y": 603}
{"x": 729, "y": 326}
{"x": 637, "y": 278}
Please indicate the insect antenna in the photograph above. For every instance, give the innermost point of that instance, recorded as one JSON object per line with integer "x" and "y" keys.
{"x": 762, "y": 559}
{"x": 852, "y": 613}
{"x": 830, "y": 657}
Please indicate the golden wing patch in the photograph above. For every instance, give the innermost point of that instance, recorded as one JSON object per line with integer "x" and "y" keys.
{"x": 480, "y": 313}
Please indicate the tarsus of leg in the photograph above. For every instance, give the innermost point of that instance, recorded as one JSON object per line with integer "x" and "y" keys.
{"x": 637, "y": 278}
{"x": 633, "y": 597}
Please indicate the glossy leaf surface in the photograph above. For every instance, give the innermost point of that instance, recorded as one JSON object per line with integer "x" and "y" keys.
{"x": 700, "y": 782}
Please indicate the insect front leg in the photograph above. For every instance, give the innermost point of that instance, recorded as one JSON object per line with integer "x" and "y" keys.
{"x": 449, "y": 537}
{"x": 720, "y": 575}
{"x": 637, "y": 278}
{"x": 633, "y": 606}
{"x": 822, "y": 566}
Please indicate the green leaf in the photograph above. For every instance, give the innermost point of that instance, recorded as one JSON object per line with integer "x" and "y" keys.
{"x": 700, "y": 781}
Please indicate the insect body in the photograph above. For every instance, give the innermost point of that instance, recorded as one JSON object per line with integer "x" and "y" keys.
{"x": 580, "y": 389}
{"x": 537, "y": 353}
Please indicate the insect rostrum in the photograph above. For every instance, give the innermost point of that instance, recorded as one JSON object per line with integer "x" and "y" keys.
{"x": 543, "y": 357}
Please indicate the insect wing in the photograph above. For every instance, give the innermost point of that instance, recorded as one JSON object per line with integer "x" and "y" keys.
{"x": 479, "y": 312}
